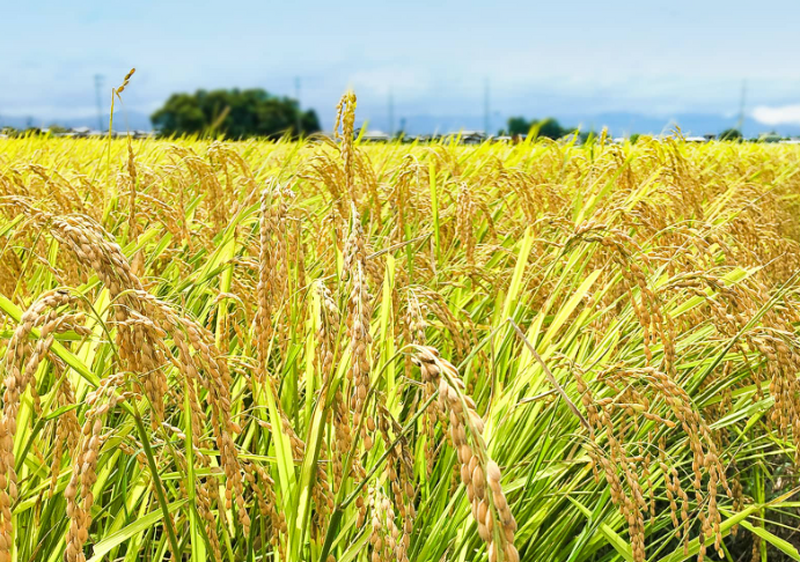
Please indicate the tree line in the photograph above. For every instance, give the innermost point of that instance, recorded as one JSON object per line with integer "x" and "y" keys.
{"x": 238, "y": 114}
{"x": 550, "y": 128}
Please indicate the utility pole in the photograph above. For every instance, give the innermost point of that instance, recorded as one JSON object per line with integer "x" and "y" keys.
{"x": 486, "y": 115}
{"x": 391, "y": 114}
{"x": 740, "y": 123}
{"x": 98, "y": 86}
{"x": 297, "y": 97}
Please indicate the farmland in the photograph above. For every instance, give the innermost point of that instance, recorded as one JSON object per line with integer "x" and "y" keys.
{"x": 331, "y": 351}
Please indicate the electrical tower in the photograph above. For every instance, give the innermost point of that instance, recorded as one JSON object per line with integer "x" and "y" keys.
{"x": 299, "y": 107}
{"x": 486, "y": 113}
{"x": 391, "y": 114}
{"x": 740, "y": 122}
{"x": 98, "y": 86}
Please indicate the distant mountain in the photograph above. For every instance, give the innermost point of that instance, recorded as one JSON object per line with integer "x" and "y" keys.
{"x": 123, "y": 120}
{"x": 623, "y": 124}
{"x": 618, "y": 123}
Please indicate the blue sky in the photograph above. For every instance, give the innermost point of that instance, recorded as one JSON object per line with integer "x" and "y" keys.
{"x": 541, "y": 58}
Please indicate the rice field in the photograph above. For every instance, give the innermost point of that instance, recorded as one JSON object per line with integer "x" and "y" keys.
{"x": 329, "y": 351}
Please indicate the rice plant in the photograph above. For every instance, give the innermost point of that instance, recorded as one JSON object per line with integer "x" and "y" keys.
{"x": 323, "y": 350}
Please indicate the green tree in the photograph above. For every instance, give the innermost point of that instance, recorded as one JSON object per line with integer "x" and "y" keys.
{"x": 234, "y": 113}
{"x": 551, "y": 129}
{"x": 730, "y": 135}
{"x": 518, "y": 126}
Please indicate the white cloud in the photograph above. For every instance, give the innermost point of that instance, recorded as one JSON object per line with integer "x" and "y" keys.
{"x": 782, "y": 115}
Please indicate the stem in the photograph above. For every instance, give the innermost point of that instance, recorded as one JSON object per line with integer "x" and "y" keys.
{"x": 548, "y": 374}
{"x": 162, "y": 500}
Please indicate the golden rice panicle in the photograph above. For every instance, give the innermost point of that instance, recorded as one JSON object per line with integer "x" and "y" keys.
{"x": 479, "y": 473}
{"x": 137, "y": 261}
{"x": 355, "y": 247}
{"x": 385, "y": 537}
{"x": 399, "y": 471}
{"x": 359, "y": 315}
{"x": 416, "y": 320}
{"x": 68, "y": 428}
{"x": 328, "y": 324}
{"x": 625, "y": 253}
{"x": 264, "y": 486}
{"x": 207, "y": 493}
{"x": 465, "y": 222}
{"x": 618, "y": 431}
{"x": 125, "y": 81}
{"x": 326, "y": 337}
{"x": 342, "y": 437}
{"x": 132, "y": 223}
{"x": 218, "y": 383}
{"x": 413, "y": 328}
{"x": 617, "y": 460}
{"x": 265, "y": 290}
{"x": 346, "y": 117}
{"x": 20, "y": 364}
{"x": 296, "y": 253}
{"x": 79, "y": 493}
{"x": 272, "y": 267}
{"x": 93, "y": 247}
{"x": 593, "y": 417}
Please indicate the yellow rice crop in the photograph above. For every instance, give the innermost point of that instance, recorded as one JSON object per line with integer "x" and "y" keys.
{"x": 334, "y": 351}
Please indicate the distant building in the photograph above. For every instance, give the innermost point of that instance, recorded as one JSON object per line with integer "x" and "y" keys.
{"x": 372, "y": 136}
{"x": 467, "y": 137}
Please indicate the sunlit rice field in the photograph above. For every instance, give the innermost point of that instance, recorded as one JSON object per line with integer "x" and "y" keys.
{"x": 247, "y": 351}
